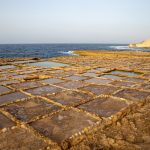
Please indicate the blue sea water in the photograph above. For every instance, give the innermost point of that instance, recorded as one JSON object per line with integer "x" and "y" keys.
{"x": 54, "y": 50}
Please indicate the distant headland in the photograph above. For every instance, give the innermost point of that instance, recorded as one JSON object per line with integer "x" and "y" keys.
{"x": 144, "y": 44}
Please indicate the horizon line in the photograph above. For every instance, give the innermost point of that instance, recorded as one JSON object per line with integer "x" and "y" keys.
{"x": 60, "y": 43}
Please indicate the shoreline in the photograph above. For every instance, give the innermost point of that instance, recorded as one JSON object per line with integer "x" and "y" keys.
{"x": 99, "y": 100}
{"x": 50, "y": 50}
{"x": 80, "y": 53}
{"x": 77, "y": 53}
{"x": 111, "y": 53}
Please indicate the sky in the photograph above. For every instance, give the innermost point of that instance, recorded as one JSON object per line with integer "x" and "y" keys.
{"x": 74, "y": 21}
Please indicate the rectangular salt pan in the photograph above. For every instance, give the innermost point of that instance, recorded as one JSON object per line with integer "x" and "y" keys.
{"x": 47, "y": 64}
{"x": 126, "y": 73}
{"x": 7, "y": 67}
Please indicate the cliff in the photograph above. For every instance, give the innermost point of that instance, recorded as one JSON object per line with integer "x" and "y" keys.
{"x": 144, "y": 44}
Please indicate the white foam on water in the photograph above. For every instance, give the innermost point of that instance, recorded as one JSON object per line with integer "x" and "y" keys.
{"x": 125, "y": 48}
{"x": 120, "y": 47}
{"x": 69, "y": 53}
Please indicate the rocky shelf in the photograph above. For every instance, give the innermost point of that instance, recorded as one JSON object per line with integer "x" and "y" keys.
{"x": 99, "y": 100}
{"x": 144, "y": 44}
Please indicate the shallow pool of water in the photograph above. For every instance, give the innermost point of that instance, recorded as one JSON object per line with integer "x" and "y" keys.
{"x": 125, "y": 73}
{"x": 7, "y": 67}
{"x": 109, "y": 76}
{"x": 47, "y": 64}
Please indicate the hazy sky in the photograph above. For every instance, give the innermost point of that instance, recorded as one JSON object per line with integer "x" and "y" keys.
{"x": 74, "y": 21}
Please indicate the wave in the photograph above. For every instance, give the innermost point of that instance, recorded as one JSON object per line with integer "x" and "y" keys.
{"x": 68, "y": 53}
{"x": 120, "y": 47}
{"x": 125, "y": 48}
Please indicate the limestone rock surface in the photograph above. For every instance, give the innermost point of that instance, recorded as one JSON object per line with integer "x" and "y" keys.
{"x": 144, "y": 44}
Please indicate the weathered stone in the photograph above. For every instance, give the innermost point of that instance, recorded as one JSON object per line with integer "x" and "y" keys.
{"x": 7, "y": 98}
{"x": 21, "y": 139}
{"x": 51, "y": 81}
{"x": 100, "y": 89}
{"x": 44, "y": 90}
{"x": 123, "y": 83}
{"x": 72, "y": 84}
{"x": 104, "y": 106}
{"x": 70, "y": 98}
{"x": 4, "y": 89}
{"x": 31, "y": 109}
{"x": 98, "y": 81}
{"x": 76, "y": 78}
{"x": 132, "y": 94}
{"x": 109, "y": 76}
{"x": 63, "y": 125}
{"x": 25, "y": 85}
{"x": 5, "y": 122}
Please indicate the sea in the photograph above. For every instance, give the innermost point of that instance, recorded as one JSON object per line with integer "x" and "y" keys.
{"x": 55, "y": 50}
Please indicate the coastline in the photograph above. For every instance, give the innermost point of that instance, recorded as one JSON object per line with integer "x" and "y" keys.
{"x": 57, "y": 50}
{"x": 112, "y": 53}
{"x": 99, "y": 100}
